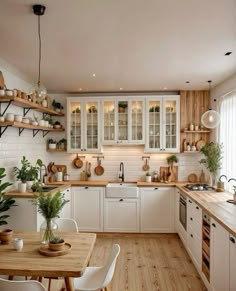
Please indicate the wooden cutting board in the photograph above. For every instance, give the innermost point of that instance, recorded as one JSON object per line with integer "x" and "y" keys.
{"x": 173, "y": 177}
{"x": 2, "y": 83}
{"x": 164, "y": 173}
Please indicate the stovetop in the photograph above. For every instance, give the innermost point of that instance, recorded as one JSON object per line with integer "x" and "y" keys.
{"x": 197, "y": 187}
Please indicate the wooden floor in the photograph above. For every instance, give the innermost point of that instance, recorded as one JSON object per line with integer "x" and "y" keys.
{"x": 147, "y": 262}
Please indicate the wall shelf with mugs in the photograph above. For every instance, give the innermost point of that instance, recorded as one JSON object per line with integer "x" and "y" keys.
{"x": 21, "y": 125}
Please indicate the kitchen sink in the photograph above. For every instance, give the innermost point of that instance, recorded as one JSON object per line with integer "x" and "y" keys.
{"x": 122, "y": 190}
{"x": 48, "y": 188}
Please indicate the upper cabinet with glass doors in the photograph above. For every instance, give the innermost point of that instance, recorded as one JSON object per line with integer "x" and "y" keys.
{"x": 123, "y": 120}
{"x": 83, "y": 125}
{"x": 162, "y": 116}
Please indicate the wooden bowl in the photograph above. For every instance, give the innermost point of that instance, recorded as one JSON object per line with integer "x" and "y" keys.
{"x": 6, "y": 236}
{"x": 56, "y": 247}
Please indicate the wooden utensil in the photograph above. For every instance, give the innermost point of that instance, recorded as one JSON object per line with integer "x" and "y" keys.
{"x": 78, "y": 163}
{"x": 99, "y": 170}
{"x": 192, "y": 178}
{"x": 146, "y": 166}
{"x": 54, "y": 169}
{"x": 89, "y": 170}
{"x": 2, "y": 84}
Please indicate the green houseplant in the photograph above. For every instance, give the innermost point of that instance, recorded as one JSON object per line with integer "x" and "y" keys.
{"x": 171, "y": 160}
{"x": 32, "y": 173}
{"x": 22, "y": 174}
{"x": 5, "y": 205}
{"x": 172, "y": 174}
{"x": 49, "y": 206}
{"x": 148, "y": 177}
{"x": 212, "y": 160}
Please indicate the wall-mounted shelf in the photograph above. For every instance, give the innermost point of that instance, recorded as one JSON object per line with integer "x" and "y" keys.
{"x": 27, "y": 105}
{"x": 22, "y": 126}
{"x": 191, "y": 152}
{"x": 56, "y": 150}
{"x": 196, "y": 131}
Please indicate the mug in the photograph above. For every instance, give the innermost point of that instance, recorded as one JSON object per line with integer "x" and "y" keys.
{"x": 18, "y": 244}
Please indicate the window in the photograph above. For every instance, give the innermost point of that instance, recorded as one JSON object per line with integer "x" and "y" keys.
{"x": 227, "y": 135}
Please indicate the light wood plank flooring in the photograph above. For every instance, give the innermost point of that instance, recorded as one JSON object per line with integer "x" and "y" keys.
{"x": 147, "y": 262}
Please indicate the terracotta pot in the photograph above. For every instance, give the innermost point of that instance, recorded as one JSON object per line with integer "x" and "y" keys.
{"x": 6, "y": 236}
{"x": 56, "y": 247}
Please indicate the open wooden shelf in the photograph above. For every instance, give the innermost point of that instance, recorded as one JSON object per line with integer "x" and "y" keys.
{"x": 29, "y": 126}
{"x": 196, "y": 131}
{"x": 29, "y": 105}
{"x": 56, "y": 150}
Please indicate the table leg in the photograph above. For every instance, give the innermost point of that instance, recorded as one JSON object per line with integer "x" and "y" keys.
{"x": 69, "y": 284}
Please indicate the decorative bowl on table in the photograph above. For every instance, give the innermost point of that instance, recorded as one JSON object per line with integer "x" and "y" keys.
{"x": 56, "y": 244}
{"x": 6, "y": 236}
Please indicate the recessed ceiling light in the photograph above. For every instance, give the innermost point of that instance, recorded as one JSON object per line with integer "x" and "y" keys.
{"x": 80, "y": 89}
{"x": 228, "y": 53}
{"x": 121, "y": 88}
{"x": 94, "y": 75}
{"x": 165, "y": 88}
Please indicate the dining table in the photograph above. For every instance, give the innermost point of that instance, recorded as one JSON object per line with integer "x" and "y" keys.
{"x": 30, "y": 262}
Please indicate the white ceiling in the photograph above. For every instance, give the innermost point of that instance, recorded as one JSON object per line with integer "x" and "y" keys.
{"x": 139, "y": 45}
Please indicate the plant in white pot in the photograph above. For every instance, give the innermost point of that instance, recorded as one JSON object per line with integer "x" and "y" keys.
{"x": 33, "y": 172}
{"x": 22, "y": 174}
{"x": 52, "y": 144}
{"x": 148, "y": 177}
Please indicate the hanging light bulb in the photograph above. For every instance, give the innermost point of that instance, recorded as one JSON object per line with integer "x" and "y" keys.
{"x": 39, "y": 90}
{"x": 210, "y": 118}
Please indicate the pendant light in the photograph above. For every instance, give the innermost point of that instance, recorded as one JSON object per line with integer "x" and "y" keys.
{"x": 210, "y": 118}
{"x": 39, "y": 89}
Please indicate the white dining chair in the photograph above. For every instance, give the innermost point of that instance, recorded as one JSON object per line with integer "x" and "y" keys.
{"x": 98, "y": 278}
{"x": 30, "y": 285}
{"x": 67, "y": 224}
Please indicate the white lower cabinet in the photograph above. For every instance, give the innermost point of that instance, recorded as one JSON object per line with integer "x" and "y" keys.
{"x": 88, "y": 208}
{"x": 121, "y": 215}
{"x": 232, "y": 263}
{"x": 157, "y": 209}
{"x": 66, "y": 210}
{"x": 219, "y": 258}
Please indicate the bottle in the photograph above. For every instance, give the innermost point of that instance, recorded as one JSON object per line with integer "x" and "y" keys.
{"x": 191, "y": 126}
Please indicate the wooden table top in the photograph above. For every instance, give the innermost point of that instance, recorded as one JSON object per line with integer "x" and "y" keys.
{"x": 29, "y": 262}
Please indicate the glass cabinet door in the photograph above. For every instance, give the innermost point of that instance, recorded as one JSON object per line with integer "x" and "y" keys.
{"x": 91, "y": 125}
{"x": 137, "y": 107}
{"x": 170, "y": 124}
{"x": 75, "y": 125}
{"x": 122, "y": 113}
{"x": 154, "y": 130}
{"x": 109, "y": 121}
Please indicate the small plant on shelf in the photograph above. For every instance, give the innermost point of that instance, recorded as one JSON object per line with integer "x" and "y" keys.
{"x": 62, "y": 143}
{"x": 92, "y": 109}
{"x": 76, "y": 110}
{"x": 57, "y": 125}
{"x": 57, "y": 105}
{"x": 171, "y": 160}
{"x": 52, "y": 144}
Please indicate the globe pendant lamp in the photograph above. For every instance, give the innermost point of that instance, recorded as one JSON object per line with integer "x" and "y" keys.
{"x": 39, "y": 90}
{"x": 210, "y": 118}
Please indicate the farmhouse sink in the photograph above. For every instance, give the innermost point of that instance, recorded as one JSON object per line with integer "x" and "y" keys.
{"x": 122, "y": 190}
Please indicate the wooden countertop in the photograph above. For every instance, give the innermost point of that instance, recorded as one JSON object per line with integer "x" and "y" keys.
{"x": 214, "y": 203}
{"x": 92, "y": 183}
{"x": 16, "y": 194}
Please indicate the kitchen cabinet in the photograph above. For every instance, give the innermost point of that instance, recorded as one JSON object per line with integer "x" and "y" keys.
{"x": 123, "y": 120}
{"x": 219, "y": 257}
{"x": 162, "y": 117}
{"x": 88, "y": 208}
{"x": 232, "y": 263}
{"x": 83, "y": 125}
{"x": 121, "y": 215}
{"x": 157, "y": 209}
{"x": 194, "y": 232}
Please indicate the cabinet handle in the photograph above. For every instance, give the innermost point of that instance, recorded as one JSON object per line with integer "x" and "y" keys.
{"x": 121, "y": 200}
{"x": 67, "y": 190}
{"x": 86, "y": 187}
{"x": 190, "y": 201}
{"x": 197, "y": 207}
{"x": 156, "y": 188}
{"x": 232, "y": 239}
{"x": 213, "y": 224}
{"x": 191, "y": 218}
{"x": 191, "y": 235}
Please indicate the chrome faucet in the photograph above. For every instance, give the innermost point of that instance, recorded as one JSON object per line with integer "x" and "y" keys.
{"x": 122, "y": 172}
{"x": 231, "y": 179}
{"x": 43, "y": 173}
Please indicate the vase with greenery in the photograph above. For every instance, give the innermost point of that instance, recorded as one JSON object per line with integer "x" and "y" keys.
{"x": 5, "y": 204}
{"x": 148, "y": 177}
{"x": 49, "y": 206}
{"x": 22, "y": 174}
{"x": 212, "y": 160}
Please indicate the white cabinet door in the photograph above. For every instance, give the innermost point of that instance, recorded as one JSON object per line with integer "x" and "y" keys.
{"x": 66, "y": 210}
{"x": 121, "y": 215}
{"x": 219, "y": 257}
{"x": 157, "y": 209}
{"x": 83, "y": 125}
{"x": 162, "y": 116}
{"x": 24, "y": 216}
{"x": 232, "y": 263}
{"x": 88, "y": 208}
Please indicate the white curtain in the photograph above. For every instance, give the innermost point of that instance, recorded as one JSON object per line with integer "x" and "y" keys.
{"x": 227, "y": 135}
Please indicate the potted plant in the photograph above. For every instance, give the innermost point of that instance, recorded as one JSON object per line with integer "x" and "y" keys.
{"x": 57, "y": 105}
{"x": 56, "y": 244}
{"x": 57, "y": 125}
{"x": 62, "y": 143}
{"x": 148, "y": 177}
{"x": 32, "y": 173}
{"x": 171, "y": 160}
{"x": 22, "y": 174}
{"x": 212, "y": 161}
{"x": 37, "y": 186}
{"x": 122, "y": 107}
{"x": 49, "y": 206}
{"x": 52, "y": 144}
{"x": 5, "y": 205}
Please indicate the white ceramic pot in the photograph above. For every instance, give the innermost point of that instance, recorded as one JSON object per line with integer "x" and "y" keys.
{"x": 59, "y": 176}
{"x": 26, "y": 120}
{"x": 18, "y": 118}
{"x": 29, "y": 184}
{"x": 52, "y": 146}
{"x": 41, "y": 122}
{"x": 22, "y": 187}
{"x": 46, "y": 123}
{"x": 2, "y": 92}
{"x": 44, "y": 103}
{"x": 149, "y": 179}
{"x": 9, "y": 92}
{"x": 2, "y": 118}
{"x": 10, "y": 117}
{"x": 35, "y": 123}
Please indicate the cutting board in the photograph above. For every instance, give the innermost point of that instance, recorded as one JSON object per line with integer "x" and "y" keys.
{"x": 173, "y": 177}
{"x": 164, "y": 173}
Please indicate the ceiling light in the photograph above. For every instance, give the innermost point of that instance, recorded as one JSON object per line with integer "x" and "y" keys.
{"x": 94, "y": 75}
{"x": 165, "y": 88}
{"x": 228, "y": 53}
{"x": 80, "y": 89}
{"x": 211, "y": 118}
{"x": 39, "y": 89}
{"x": 121, "y": 89}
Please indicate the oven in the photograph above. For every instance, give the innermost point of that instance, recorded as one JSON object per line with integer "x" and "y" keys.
{"x": 183, "y": 211}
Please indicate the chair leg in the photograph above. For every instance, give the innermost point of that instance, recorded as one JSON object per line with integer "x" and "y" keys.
{"x": 49, "y": 284}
